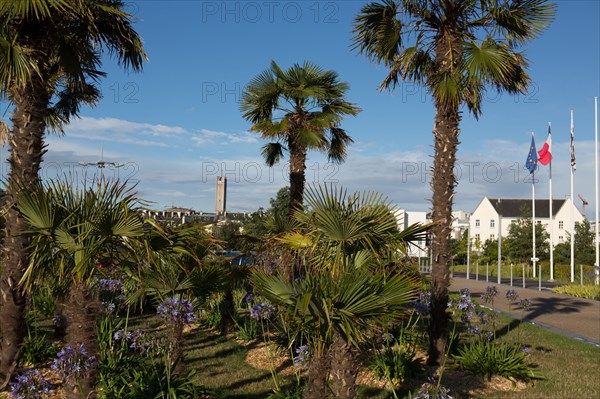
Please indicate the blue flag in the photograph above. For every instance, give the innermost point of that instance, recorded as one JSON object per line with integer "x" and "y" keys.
{"x": 532, "y": 159}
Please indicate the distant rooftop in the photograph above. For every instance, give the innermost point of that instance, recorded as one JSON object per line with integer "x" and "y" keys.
{"x": 515, "y": 208}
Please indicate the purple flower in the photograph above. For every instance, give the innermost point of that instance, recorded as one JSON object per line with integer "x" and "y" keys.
{"x": 432, "y": 390}
{"x": 524, "y": 303}
{"x": 303, "y": 356}
{"x": 474, "y": 330}
{"x": 512, "y": 295}
{"x": 248, "y": 298}
{"x": 110, "y": 285}
{"x": 464, "y": 306}
{"x": 30, "y": 385}
{"x": 490, "y": 294}
{"x": 525, "y": 349}
{"x": 118, "y": 335}
{"x": 387, "y": 337}
{"x": 177, "y": 312}
{"x": 262, "y": 311}
{"x": 425, "y": 297}
{"x": 72, "y": 362}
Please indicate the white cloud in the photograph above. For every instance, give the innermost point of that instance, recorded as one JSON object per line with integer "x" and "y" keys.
{"x": 228, "y": 138}
{"x": 86, "y": 124}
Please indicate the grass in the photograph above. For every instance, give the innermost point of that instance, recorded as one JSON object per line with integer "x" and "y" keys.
{"x": 220, "y": 366}
{"x": 579, "y": 291}
{"x": 571, "y": 368}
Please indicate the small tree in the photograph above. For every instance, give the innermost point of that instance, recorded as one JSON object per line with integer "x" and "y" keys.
{"x": 584, "y": 245}
{"x": 459, "y": 249}
{"x": 519, "y": 240}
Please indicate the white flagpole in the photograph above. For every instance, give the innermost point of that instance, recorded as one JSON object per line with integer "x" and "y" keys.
{"x": 469, "y": 248}
{"x": 534, "y": 259}
{"x": 551, "y": 223}
{"x": 597, "y": 265}
{"x": 572, "y": 205}
{"x": 499, "y": 248}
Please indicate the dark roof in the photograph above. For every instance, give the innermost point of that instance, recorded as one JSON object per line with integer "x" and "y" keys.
{"x": 515, "y": 208}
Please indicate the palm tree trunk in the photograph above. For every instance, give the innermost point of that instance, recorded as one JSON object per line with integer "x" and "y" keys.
{"x": 316, "y": 386}
{"x": 344, "y": 368}
{"x": 81, "y": 308}
{"x": 227, "y": 311}
{"x": 297, "y": 176}
{"x": 26, "y": 151}
{"x": 446, "y": 131}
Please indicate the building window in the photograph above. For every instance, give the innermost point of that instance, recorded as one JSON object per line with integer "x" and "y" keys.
{"x": 477, "y": 237}
{"x": 477, "y": 222}
{"x": 492, "y": 236}
{"x": 561, "y": 224}
{"x": 561, "y": 239}
{"x": 492, "y": 223}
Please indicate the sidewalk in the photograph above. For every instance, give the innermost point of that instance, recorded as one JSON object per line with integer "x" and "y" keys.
{"x": 574, "y": 317}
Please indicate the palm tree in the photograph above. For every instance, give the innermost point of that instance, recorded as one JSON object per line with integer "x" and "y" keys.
{"x": 71, "y": 230}
{"x": 50, "y": 51}
{"x": 456, "y": 49}
{"x": 300, "y": 108}
{"x": 342, "y": 297}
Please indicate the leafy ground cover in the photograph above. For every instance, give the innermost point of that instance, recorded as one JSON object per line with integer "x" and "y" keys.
{"x": 231, "y": 368}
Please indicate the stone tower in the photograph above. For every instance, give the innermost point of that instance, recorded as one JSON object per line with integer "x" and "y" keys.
{"x": 221, "y": 204}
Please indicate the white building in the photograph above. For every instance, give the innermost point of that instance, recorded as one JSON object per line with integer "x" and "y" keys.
{"x": 407, "y": 218}
{"x": 460, "y": 223}
{"x": 493, "y": 216}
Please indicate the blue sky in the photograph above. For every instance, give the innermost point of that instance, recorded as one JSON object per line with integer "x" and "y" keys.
{"x": 178, "y": 124}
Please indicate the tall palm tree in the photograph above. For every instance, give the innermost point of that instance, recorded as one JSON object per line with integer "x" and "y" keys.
{"x": 342, "y": 296}
{"x": 50, "y": 52}
{"x": 301, "y": 109}
{"x": 71, "y": 230}
{"x": 457, "y": 49}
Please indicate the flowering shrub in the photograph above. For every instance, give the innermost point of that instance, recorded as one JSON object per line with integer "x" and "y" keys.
{"x": 303, "y": 356}
{"x": 30, "y": 385}
{"x": 73, "y": 362}
{"x": 511, "y": 295}
{"x": 387, "y": 337}
{"x": 464, "y": 306}
{"x": 177, "y": 312}
{"x": 262, "y": 311}
{"x": 432, "y": 390}
{"x": 110, "y": 285}
{"x": 111, "y": 294}
{"x": 524, "y": 304}
{"x": 489, "y": 295}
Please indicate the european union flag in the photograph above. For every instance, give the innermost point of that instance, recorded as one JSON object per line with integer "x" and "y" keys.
{"x": 532, "y": 159}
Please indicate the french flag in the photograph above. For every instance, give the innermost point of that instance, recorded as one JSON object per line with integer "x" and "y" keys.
{"x": 545, "y": 154}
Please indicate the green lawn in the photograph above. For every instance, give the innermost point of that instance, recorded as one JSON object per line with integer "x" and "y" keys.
{"x": 571, "y": 368}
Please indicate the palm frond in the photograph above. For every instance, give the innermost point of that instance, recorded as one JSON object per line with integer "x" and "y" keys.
{"x": 520, "y": 21}
{"x": 272, "y": 153}
{"x": 378, "y": 32}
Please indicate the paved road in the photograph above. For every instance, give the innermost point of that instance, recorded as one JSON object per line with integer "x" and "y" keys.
{"x": 517, "y": 281}
{"x": 574, "y": 317}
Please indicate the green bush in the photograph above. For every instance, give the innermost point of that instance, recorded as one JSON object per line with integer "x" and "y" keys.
{"x": 210, "y": 312}
{"x": 126, "y": 374}
{"x": 487, "y": 358}
{"x": 38, "y": 349}
{"x": 246, "y": 329}
{"x": 579, "y": 291}
{"x": 396, "y": 364}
